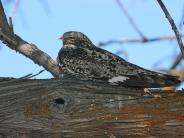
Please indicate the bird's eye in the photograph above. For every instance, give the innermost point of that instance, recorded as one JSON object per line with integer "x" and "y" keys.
{"x": 71, "y": 37}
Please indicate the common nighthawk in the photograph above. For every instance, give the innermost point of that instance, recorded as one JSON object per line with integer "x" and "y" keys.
{"x": 80, "y": 57}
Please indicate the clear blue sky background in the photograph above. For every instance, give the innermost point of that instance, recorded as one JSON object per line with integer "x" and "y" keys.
{"x": 100, "y": 20}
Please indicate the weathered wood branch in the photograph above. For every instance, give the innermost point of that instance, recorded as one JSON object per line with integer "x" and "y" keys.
{"x": 76, "y": 108}
{"x": 31, "y": 51}
{"x": 3, "y": 20}
{"x": 173, "y": 25}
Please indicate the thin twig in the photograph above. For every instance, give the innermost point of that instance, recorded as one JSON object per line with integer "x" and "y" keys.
{"x": 31, "y": 75}
{"x": 174, "y": 28}
{"x": 17, "y": 3}
{"x": 182, "y": 18}
{"x": 176, "y": 62}
{"x": 11, "y": 24}
{"x": 162, "y": 60}
{"x": 130, "y": 19}
{"x": 138, "y": 40}
{"x": 34, "y": 75}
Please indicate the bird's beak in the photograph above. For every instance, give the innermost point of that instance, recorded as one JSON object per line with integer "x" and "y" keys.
{"x": 61, "y": 38}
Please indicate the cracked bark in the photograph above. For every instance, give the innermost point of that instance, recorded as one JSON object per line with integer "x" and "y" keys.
{"x": 77, "y": 108}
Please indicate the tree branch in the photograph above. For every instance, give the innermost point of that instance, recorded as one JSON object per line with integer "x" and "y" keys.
{"x": 176, "y": 62}
{"x": 17, "y": 3}
{"x": 31, "y": 51}
{"x": 174, "y": 28}
{"x": 3, "y": 20}
{"x": 130, "y": 19}
{"x": 138, "y": 40}
{"x": 49, "y": 108}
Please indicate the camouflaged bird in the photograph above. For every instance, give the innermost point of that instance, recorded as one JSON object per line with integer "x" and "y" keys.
{"x": 81, "y": 58}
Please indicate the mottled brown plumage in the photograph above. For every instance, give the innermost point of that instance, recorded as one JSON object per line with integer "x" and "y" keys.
{"x": 81, "y": 58}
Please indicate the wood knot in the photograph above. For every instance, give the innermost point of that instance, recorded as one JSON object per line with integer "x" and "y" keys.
{"x": 59, "y": 101}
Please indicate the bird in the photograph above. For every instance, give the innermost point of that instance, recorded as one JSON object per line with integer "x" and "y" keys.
{"x": 80, "y": 57}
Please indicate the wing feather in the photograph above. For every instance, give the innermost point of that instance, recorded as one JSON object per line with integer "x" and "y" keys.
{"x": 97, "y": 63}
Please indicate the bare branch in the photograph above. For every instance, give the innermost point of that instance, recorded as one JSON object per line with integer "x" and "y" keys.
{"x": 162, "y": 60}
{"x": 176, "y": 62}
{"x": 17, "y": 3}
{"x": 31, "y": 75}
{"x": 31, "y": 51}
{"x": 7, "y": 40}
{"x": 174, "y": 28}
{"x": 130, "y": 19}
{"x": 49, "y": 108}
{"x": 3, "y": 20}
{"x": 137, "y": 40}
{"x": 11, "y": 24}
{"x": 182, "y": 19}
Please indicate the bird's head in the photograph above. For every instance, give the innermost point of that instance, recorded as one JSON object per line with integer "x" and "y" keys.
{"x": 77, "y": 39}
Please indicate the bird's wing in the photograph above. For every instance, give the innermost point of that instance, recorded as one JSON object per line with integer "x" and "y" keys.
{"x": 128, "y": 74}
{"x": 97, "y": 63}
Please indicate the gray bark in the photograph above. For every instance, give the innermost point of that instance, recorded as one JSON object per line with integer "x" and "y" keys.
{"x": 78, "y": 108}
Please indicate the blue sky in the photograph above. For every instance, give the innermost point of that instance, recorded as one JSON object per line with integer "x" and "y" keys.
{"x": 100, "y": 20}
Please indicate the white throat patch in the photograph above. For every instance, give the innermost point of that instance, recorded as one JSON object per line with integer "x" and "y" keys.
{"x": 70, "y": 46}
{"x": 118, "y": 79}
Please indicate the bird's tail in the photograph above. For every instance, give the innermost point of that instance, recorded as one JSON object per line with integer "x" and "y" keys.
{"x": 164, "y": 80}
